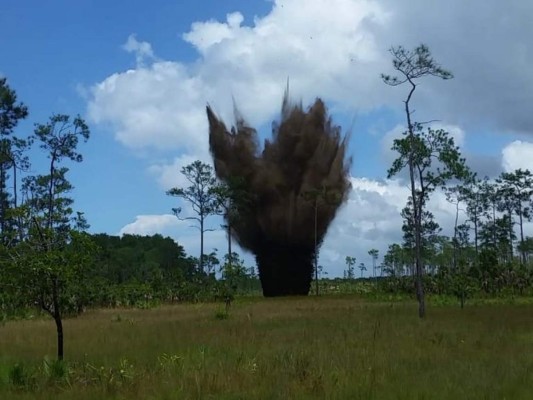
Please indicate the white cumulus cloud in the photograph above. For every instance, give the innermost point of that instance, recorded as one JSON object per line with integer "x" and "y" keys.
{"x": 151, "y": 224}
{"x": 324, "y": 49}
{"x": 142, "y": 50}
{"x": 154, "y": 108}
{"x": 169, "y": 175}
{"x": 516, "y": 155}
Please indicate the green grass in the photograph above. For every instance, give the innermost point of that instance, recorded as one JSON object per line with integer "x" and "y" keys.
{"x": 296, "y": 348}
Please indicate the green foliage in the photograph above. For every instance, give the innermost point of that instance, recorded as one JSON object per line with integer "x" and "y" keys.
{"x": 210, "y": 263}
{"x": 234, "y": 272}
{"x": 425, "y": 148}
{"x": 12, "y": 158}
{"x": 51, "y": 279}
{"x": 413, "y": 65}
{"x": 11, "y": 111}
{"x": 132, "y": 261}
{"x": 57, "y": 371}
{"x": 221, "y": 314}
{"x": 22, "y": 376}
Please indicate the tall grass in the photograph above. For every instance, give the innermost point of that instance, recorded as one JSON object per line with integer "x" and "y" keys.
{"x": 294, "y": 348}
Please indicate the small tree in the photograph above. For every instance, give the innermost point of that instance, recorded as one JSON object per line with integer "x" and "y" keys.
{"x": 231, "y": 199}
{"x": 374, "y": 253}
{"x": 234, "y": 273}
{"x": 462, "y": 282}
{"x": 211, "y": 262}
{"x": 491, "y": 197}
{"x": 455, "y": 195}
{"x": 48, "y": 275}
{"x": 506, "y": 204}
{"x": 397, "y": 260}
{"x": 419, "y": 147}
{"x": 46, "y": 265}
{"x": 471, "y": 193}
{"x": 350, "y": 262}
{"x": 200, "y": 195}
{"x": 362, "y": 268}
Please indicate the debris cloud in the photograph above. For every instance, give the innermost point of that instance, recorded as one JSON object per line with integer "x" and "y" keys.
{"x": 301, "y": 170}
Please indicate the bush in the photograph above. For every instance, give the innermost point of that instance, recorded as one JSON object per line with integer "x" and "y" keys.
{"x": 21, "y": 377}
{"x": 221, "y": 314}
{"x": 56, "y": 371}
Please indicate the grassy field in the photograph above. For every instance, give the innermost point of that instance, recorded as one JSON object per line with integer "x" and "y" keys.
{"x": 297, "y": 348}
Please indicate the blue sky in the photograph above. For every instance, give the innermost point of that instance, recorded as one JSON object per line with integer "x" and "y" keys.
{"x": 141, "y": 74}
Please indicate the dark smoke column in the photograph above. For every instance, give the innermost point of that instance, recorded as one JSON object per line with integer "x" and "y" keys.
{"x": 306, "y": 153}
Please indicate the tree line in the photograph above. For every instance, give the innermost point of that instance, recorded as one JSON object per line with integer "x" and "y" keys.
{"x": 487, "y": 251}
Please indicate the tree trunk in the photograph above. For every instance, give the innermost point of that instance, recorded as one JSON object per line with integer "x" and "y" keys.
{"x": 15, "y": 199}
{"x": 316, "y": 250}
{"x": 51, "y": 187}
{"x": 284, "y": 269}
{"x": 417, "y": 211}
{"x": 475, "y": 237}
{"x": 494, "y": 241}
{"x": 455, "y": 244}
{"x": 59, "y": 328}
{"x": 57, "y": 318}
{"x": 523, "y": 253}
{"x": 230, "y": 252}
{"x": 15, "y": 203}
{"x": 374, "y": 269}
{"x": 417, "y": 214}
{"x": 201, "y": 263}
{"x": 2, "y": 201}
{"x": 419, "y": 271}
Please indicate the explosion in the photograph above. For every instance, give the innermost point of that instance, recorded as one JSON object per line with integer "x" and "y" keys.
{"x": 305, "y": 156}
